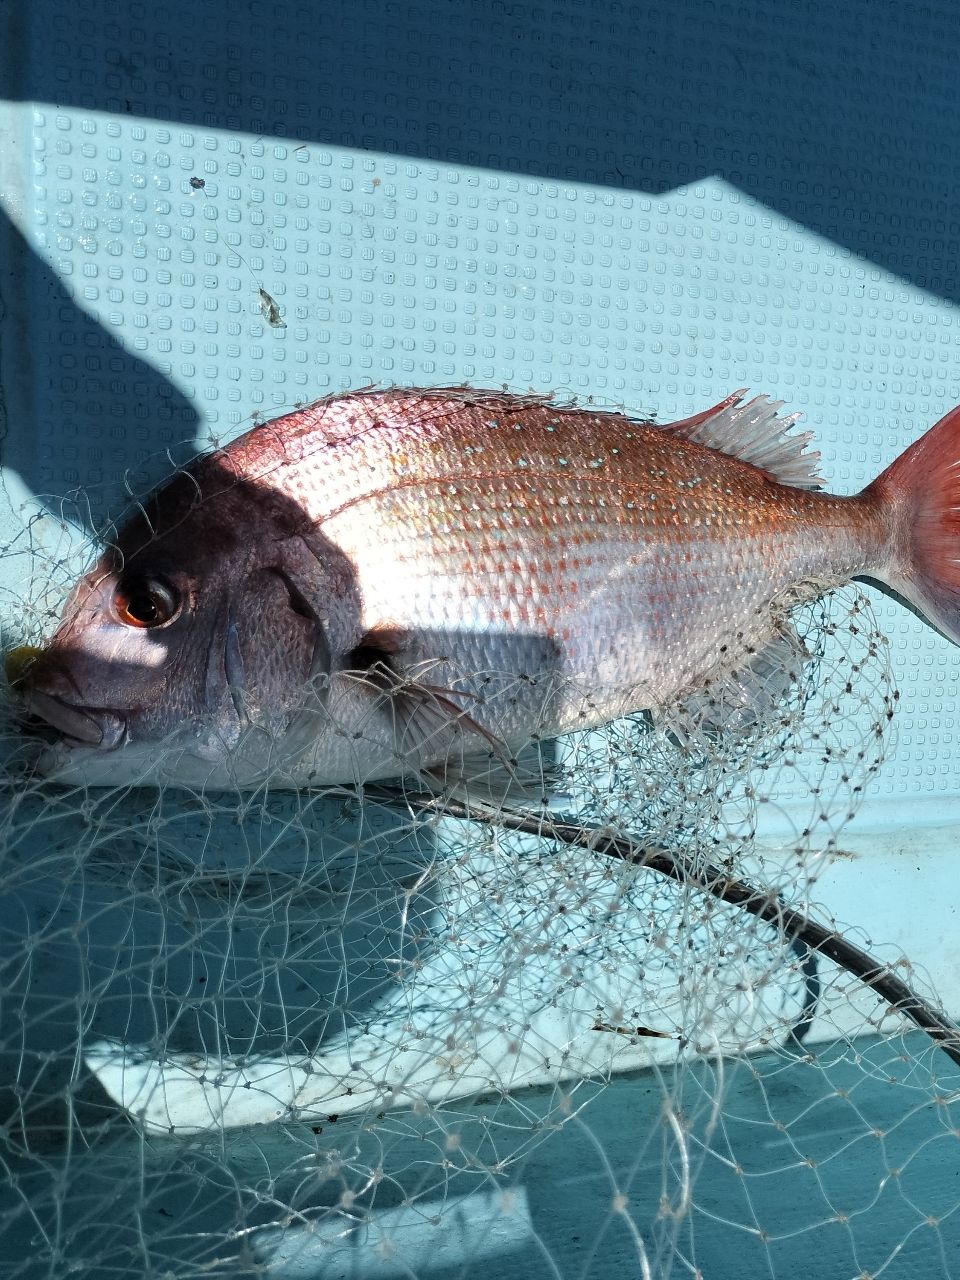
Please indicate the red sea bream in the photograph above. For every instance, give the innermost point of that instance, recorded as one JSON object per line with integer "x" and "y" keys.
{"x": 385, "y": 580}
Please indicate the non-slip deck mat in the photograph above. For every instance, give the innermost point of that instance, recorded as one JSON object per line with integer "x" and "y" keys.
{"x": 214, "y": 212}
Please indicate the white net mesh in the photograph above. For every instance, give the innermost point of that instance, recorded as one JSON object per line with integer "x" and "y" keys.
{"x": 359, "y": 1033}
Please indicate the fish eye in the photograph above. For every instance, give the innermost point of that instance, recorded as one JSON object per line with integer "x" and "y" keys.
{"x": 145, "y": 601}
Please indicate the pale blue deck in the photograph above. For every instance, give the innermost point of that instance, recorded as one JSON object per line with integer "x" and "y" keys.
{"x": 651, "y": 204}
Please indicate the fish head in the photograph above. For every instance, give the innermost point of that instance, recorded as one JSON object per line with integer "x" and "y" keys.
{"x": 202, "y": 628}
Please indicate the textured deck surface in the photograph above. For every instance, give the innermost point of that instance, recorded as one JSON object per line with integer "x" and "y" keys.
{"x": 210, "y": 212}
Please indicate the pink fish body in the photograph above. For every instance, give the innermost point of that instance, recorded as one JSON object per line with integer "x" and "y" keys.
{"x": 369, "y": 584}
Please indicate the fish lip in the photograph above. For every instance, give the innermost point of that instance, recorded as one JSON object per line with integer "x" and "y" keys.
{"x": 79, "y": 726}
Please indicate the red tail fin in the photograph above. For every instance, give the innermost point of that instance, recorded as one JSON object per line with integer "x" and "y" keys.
{"x": 921, "y": 492}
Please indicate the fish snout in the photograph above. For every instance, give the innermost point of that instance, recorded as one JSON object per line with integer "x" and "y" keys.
{"x": 50, "y": 694}
{"x": 31, "y": 670}
{"x": 92, "y": 726}
{"x": 18, "y": 663}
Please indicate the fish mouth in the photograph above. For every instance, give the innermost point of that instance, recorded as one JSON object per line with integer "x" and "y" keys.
{"x": 79, "y": 726}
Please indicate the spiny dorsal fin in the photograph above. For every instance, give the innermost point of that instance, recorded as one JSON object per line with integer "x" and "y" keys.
{"x": 753, "y": 433}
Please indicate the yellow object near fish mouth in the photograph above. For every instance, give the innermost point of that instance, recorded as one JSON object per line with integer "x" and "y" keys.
{"x": 19, "y": 661}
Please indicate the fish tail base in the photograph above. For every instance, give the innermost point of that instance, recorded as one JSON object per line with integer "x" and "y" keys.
{"x": 920, "y": 496}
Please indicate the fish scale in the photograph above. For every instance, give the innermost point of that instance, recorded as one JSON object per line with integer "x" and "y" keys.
{"x": 370, "y": 583}
{"x": 670, "y": 546}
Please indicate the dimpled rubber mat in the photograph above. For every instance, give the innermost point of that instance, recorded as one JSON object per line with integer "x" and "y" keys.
{"x": 647, "y": 207}
{"x": 211, "y": 213}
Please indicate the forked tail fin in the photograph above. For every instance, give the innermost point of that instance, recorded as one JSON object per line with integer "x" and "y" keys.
{"x": 920, "y": 496}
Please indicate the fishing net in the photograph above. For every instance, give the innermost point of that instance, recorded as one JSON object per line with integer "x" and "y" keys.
{"x": 380, "y": 1031}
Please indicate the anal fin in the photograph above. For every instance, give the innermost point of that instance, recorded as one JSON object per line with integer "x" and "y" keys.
{"x": 748, "y": 693}
{"x": 499, "y": 779}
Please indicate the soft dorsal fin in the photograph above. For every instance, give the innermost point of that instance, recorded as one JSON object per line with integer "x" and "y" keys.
{"x": 753, "y": 433}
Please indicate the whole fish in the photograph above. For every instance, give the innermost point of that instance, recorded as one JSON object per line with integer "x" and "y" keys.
{"x": 421, "y": 582}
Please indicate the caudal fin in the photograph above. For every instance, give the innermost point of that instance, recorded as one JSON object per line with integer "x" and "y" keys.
{"x": 920, "y": 494}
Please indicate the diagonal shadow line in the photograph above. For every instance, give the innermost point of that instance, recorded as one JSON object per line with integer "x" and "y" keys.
{"x": 839, "y": 118}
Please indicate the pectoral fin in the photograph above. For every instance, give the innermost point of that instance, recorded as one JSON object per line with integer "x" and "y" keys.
{"x": 451, "y": 750}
